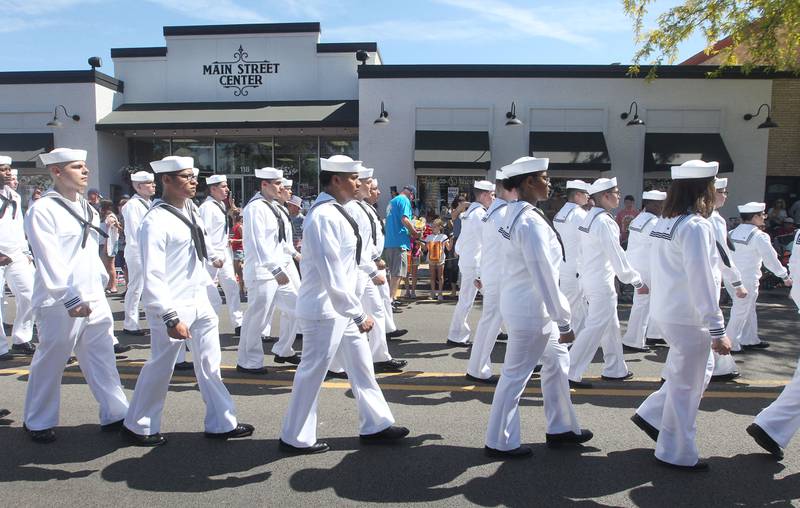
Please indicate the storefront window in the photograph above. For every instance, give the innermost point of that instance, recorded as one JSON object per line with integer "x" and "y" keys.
{"x": 237, "y": 157}
{"x": 202, "y": 150}
{"x": 298, "y": 159}
{"x": 436, "y": 193}
{"x": 145, "y": 150}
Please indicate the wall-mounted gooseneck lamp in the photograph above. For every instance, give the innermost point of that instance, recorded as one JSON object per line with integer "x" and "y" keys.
{"x": 766, "y": 124}
{"x": 383, "y": 118}
{"x": 55, "y": 122}
{"x": 634, "y": 108}
{"x": 511, "y": 116}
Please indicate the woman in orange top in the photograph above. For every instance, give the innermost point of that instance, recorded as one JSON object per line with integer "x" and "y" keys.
{"x": 435, "y": 245}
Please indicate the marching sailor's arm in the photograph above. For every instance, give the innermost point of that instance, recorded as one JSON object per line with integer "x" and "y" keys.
{"x": 698, "y": 243}
{"x": 155, "y": 292}
{"x": 613, "y": 250}
{"x": 40, "y": 227}
{"x": 535, "y": 238}
{"x": 769, "y": 256}
{"x": 259, "y": 226}
{"x": 730, "y": 274}
{"x": 794, "y": 260}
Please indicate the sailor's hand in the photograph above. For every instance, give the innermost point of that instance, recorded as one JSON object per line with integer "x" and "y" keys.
{"x": 217, "y": 263}
{"x": 381, "y": 264}
{"x": 379, "y": 280}
{"x": 644, "y": 290}
{"x": 366, "y": 325}
{"x": 282, "y": 279}
{"x": 567, "y": 338}
{"x": 721, "y": 346}
{"x": 179, "y": 332}
{"x": 82, "y": 310}
{"x": 478, "y": 283}
{"x": 787, "y": 282}
{"x": 741, "y": 292}
{"x": 4, "y": 260}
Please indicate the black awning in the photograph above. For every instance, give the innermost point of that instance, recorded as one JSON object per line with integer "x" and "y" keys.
{"x": 24, "y": 149}
{"x": 664, "y": 150}
{"x": 452, "y": 150}
{"x": 579, "y": 151}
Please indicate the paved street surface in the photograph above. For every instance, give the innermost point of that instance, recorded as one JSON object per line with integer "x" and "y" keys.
{"x": 442, "y": 462}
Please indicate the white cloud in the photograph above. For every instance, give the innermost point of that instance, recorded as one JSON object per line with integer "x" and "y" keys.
{"x": 218, "y": 11}
{"x": 453, "y": 30}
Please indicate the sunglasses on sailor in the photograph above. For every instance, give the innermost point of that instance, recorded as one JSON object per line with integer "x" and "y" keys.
{"x": 187, "y": 176}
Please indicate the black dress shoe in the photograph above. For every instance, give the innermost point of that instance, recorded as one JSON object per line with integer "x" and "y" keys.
{"x": 4, "y": 413}
{"x": 386, "y": 436}
{"x": 41, "y": 436}
{"x": 765, "y": 441}
{"x": 630, "y": 349}
{"x": 396, "y": 333}
{"x": 26, "y": 348}
{"x": 453, "y": 343}
{"x": 119, "y": 349}
{"x": 184, "y": 366}
{"x": 397, "y": 310}
{"x": 335, "y": 375}
{"x": 579, "y": 384}
{"x": 237, "y": 332}
{"x": 135, "y": 333}
{"x": 268, "y": 338}
{"x": 568, "y": 438}
{"x": 298, "y": 336}
{"x": 6, "y": 356}
{"x": 112, "y": 427}
{"x": 761, "y": 345}
{"x": 140, "y": 440}
{"x": 537, "y": 369}
{"x": 700, "y": 467}
{"x": 318, "y": 447}
{"x": 643, "y": 424}
{"x": 655, "y": 342}
{"x": 392, "y": 365}
{"x": 259, "y": 371}
{"x": 294, "y": 359}
{"x": 502, "y": 336}
{"x": 730, "y": 376}
{"x": 72, "y": 360}
{"x": 241, "y": 430}
{"x": 623, "y": 378}
{"x": 491, "y": 380}
{"x": 517, "y": 453}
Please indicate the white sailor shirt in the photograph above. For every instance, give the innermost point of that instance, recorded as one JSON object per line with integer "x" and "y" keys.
{"x": 724, "y": 271}
{"x": 12, "y": 229}
{"x": 368, "y": 248}
{"x": 132, "y": 215}
{"x": 215, "y": 220}
{"x": 468, "y": 246}
{"x": 567, "y": 221}
{"x": 753, "y": 247}
{"x": 491, "y": 267}
{"x": 602, "y": 256}
{"x": 288, "y": 245}
{"x": 264, "y": 255}
{"x": 794, "y": 260}
{"x": 639, "y": 243}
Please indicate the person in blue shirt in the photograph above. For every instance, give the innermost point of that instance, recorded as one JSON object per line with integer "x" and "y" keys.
{"x": 399, "y": 231}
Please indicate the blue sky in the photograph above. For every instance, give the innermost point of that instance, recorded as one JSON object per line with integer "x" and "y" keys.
{"x": 62, "y": 34}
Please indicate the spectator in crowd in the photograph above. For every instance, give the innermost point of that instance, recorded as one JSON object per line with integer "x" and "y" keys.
{"x": 119, "y": 262}
{"x": 108, "y": 246}
{"x": 94, "y": 197}
{"x": 794, "y": 211}
{"x": 414, "y": 256}
{"x": 786, "y": 228}
{"x": 435, "y": 245}
{"x": 459, "y": 206}
{"x": 624, "y": 218}
{"x": 238, "y": 252}
{"x": 399, "y": 230}
{"x": 295, "y": 205}
{"x": 776, "y": 214}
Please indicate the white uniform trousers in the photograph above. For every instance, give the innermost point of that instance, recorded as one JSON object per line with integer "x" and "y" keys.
{"x": 133, "y": 291}
{"x": 387, "y": 304}
{"x": 19, "y": 276}
{"x": 89, "y": 337}
{"x": 525, "y": 348}
{"x": 480, "y": 358}
{"x": 372, "y": 301}
{"x": 570, "y": 285}
{"x": 321, "y": 341}
{"x": 673, "y": 408}
{"x": 743, "y": 322}
{"x": 601, "y": 330}
{"x": 636, "y": 334}
{"x": 147, "y": 404}
{"x": 781, "y": 419}
{"x": 260, "y": 294}
{"x": 227, "y": 280}
{"x": 288, "y": 325}
{"x": 459, "y": 327}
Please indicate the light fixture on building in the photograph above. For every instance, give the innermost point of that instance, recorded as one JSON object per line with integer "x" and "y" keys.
{"x": 766, "y": 124}
{"x": 95, "y": 62}
{"x": 383, "y": 118}
{"x": 362, "y": 56}
{"x": 634, "y": 107}
{"x": 55, "y": 122}
{"x": 512, "y": 115}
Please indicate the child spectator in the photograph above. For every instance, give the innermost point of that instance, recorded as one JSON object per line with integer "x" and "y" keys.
{"x": 435, "y": 245}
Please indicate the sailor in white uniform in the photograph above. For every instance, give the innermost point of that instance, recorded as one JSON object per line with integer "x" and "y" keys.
{"x": 468, "y": 248}
{"x": 753, "y": 248}
{"x": 567, "y": 221}
{"x": 638, "y": 253}
{"x": 727, "y": 272}
{"x": 175, "y": 250}
{"x": 479, "y": 368}
{"x": 132, "y": 213}
{"x": 214, "y": 213}
{"x": 392, "y": 332}
{"x": 602, "y": 258}
{"x": 69, "y": 300}
{"x": 537, "y": 315}
{"x": 775, "y": 426}
{"x": 332, "y": 317}
{"x": 16, "y": 266}
{"x": 684, "y": 304}
{"x": 266, "y": 272}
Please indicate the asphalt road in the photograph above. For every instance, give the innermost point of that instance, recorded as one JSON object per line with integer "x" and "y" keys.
{"x": 442, "y": 461}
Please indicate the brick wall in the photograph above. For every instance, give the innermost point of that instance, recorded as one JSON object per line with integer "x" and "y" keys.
{"x": 783, "y": 156}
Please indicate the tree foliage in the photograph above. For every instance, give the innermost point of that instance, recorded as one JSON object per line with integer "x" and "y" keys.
{"x": 762, "y": 32}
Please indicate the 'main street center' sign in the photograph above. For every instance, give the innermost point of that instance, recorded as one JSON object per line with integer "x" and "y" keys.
{"x": 240, "y": 74}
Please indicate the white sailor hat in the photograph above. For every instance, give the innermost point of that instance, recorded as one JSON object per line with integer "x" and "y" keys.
{"x": 721, "y": 183}
{"x": 5, "y": 160}
{"x": 654, "y": 195}
{"x": 483, "y": 185}
{"x": 296, "y": 201}
{"x": 364, "y": 172}
{"x": 196, "y": 172}
{"x": 15, "y": 172}
{"x": 62, "y": 155}
{"x": 288, "y": 183}
{"x": 602, "y": 184}
{"x": 694, "y": 169}
{"x": 375, "y": 182}
{"x": 752, "y": 207}
{"x": 142, "y": 176}
{"x": 499, "y": 176}
{"x": 269, "y": 173}
{"x": 339, "y": 164}
{"x": 214, "y": 179}
{"x": 172, "y": 163}
{"x": 578, "y": 185}
{"x": 525, "y": 165}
